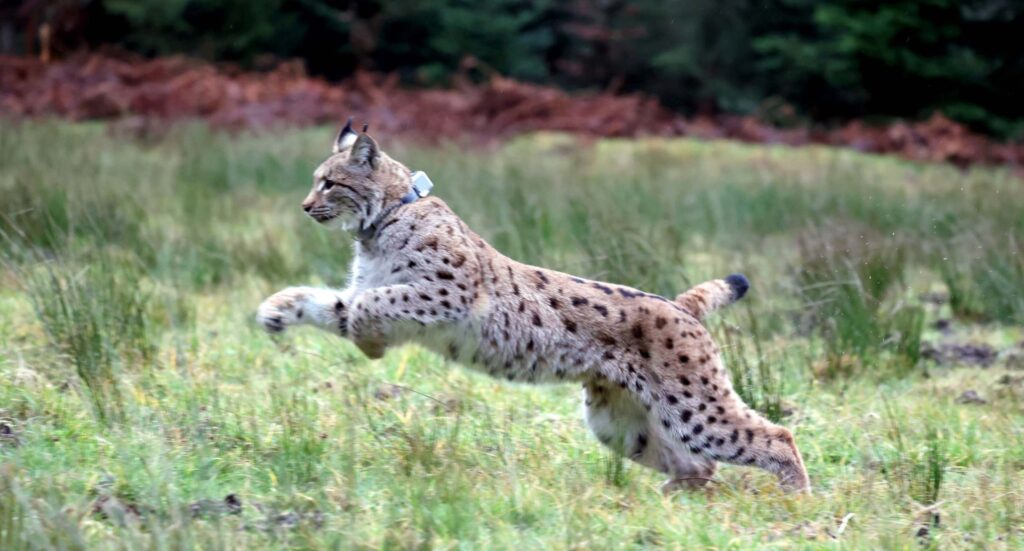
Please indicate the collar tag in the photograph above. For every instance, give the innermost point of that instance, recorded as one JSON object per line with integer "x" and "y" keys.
{"x": 421, "y": 186}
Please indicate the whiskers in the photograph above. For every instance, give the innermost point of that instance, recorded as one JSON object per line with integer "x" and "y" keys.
{"x": 322, "y": 214}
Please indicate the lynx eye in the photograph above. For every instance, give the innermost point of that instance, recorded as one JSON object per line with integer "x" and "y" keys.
{"x": 327, "y": 185}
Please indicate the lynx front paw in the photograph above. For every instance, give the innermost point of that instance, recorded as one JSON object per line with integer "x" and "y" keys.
{"x": 281, "y": 309}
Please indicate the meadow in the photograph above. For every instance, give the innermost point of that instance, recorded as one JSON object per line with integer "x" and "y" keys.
{"x": 141, "y": 406}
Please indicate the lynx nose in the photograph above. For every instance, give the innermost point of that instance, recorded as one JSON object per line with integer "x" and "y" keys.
{"x": 307, "y": 206}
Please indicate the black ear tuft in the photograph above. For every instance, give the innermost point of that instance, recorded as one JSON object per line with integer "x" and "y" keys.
{"x": 346, "y": 137}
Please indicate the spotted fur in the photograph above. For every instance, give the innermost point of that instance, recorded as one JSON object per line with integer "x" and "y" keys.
{"x": 655, "y": 388}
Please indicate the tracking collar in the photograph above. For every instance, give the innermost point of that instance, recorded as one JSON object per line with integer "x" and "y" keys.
{"x": 421, "y": 186}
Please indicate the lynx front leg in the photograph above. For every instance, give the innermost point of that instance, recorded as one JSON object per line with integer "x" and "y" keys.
{"x": 324, "y": 308}
{"x": 381, "y": 316}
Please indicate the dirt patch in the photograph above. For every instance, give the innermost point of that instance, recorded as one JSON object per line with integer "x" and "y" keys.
{"x": 143, "y": 94}
{"x": 971, "y": 397}
{"x": 971, "y": 354}
{"x": 204, "y": 508}
{"x": 272, "y": 520}
{"x": 117, "y": 510}
{"x": 8, "y": 436}
{"x": 1014, "y": 357}
{"x": 257, "y": 516}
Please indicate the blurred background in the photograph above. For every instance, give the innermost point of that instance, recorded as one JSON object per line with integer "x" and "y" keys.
{"x": 774, "y": 70}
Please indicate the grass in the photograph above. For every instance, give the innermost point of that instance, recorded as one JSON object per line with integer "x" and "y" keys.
{"x": 144, "y": 409}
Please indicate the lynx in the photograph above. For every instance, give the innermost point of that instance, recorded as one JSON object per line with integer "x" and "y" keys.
{"x": 654, "y": 385}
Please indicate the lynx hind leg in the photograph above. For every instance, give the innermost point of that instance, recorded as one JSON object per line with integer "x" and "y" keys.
{"x": 708, "y": 419}
{"x": 621, "y": 422}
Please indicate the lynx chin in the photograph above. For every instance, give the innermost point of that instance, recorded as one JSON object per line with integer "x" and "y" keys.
{"x": 654, "y": 386}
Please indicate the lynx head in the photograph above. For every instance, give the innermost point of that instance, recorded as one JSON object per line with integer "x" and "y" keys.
{"x": 356, "y": 183}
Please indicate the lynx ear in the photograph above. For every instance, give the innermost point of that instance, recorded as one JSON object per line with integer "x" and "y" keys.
{"x": 346, "y": 137}
{"x": 364, "y": 152}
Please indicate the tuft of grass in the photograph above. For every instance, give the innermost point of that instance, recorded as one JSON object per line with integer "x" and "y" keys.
{"x": 984, "y": 275}
{"x": 913, "y": 468}
{"x": 759, "y": 380}
{"x": 97, "y": 316}
{"x": 845, "y": 276}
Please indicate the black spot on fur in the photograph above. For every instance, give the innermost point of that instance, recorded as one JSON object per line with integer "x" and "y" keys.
{"x": 554, "y": 303}
{"x": 536, "y": 320}
{"x": 626, "y": 293}
{"x": 641, "y": 444}
{"x": 444, "y": 274}
{"x": 578, "y": 301}
{"x": 570, "y": 325}
{"x": 685, "y": 415}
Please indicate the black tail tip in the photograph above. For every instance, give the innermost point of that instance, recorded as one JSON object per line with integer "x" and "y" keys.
{"x": 739, "y": 283}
